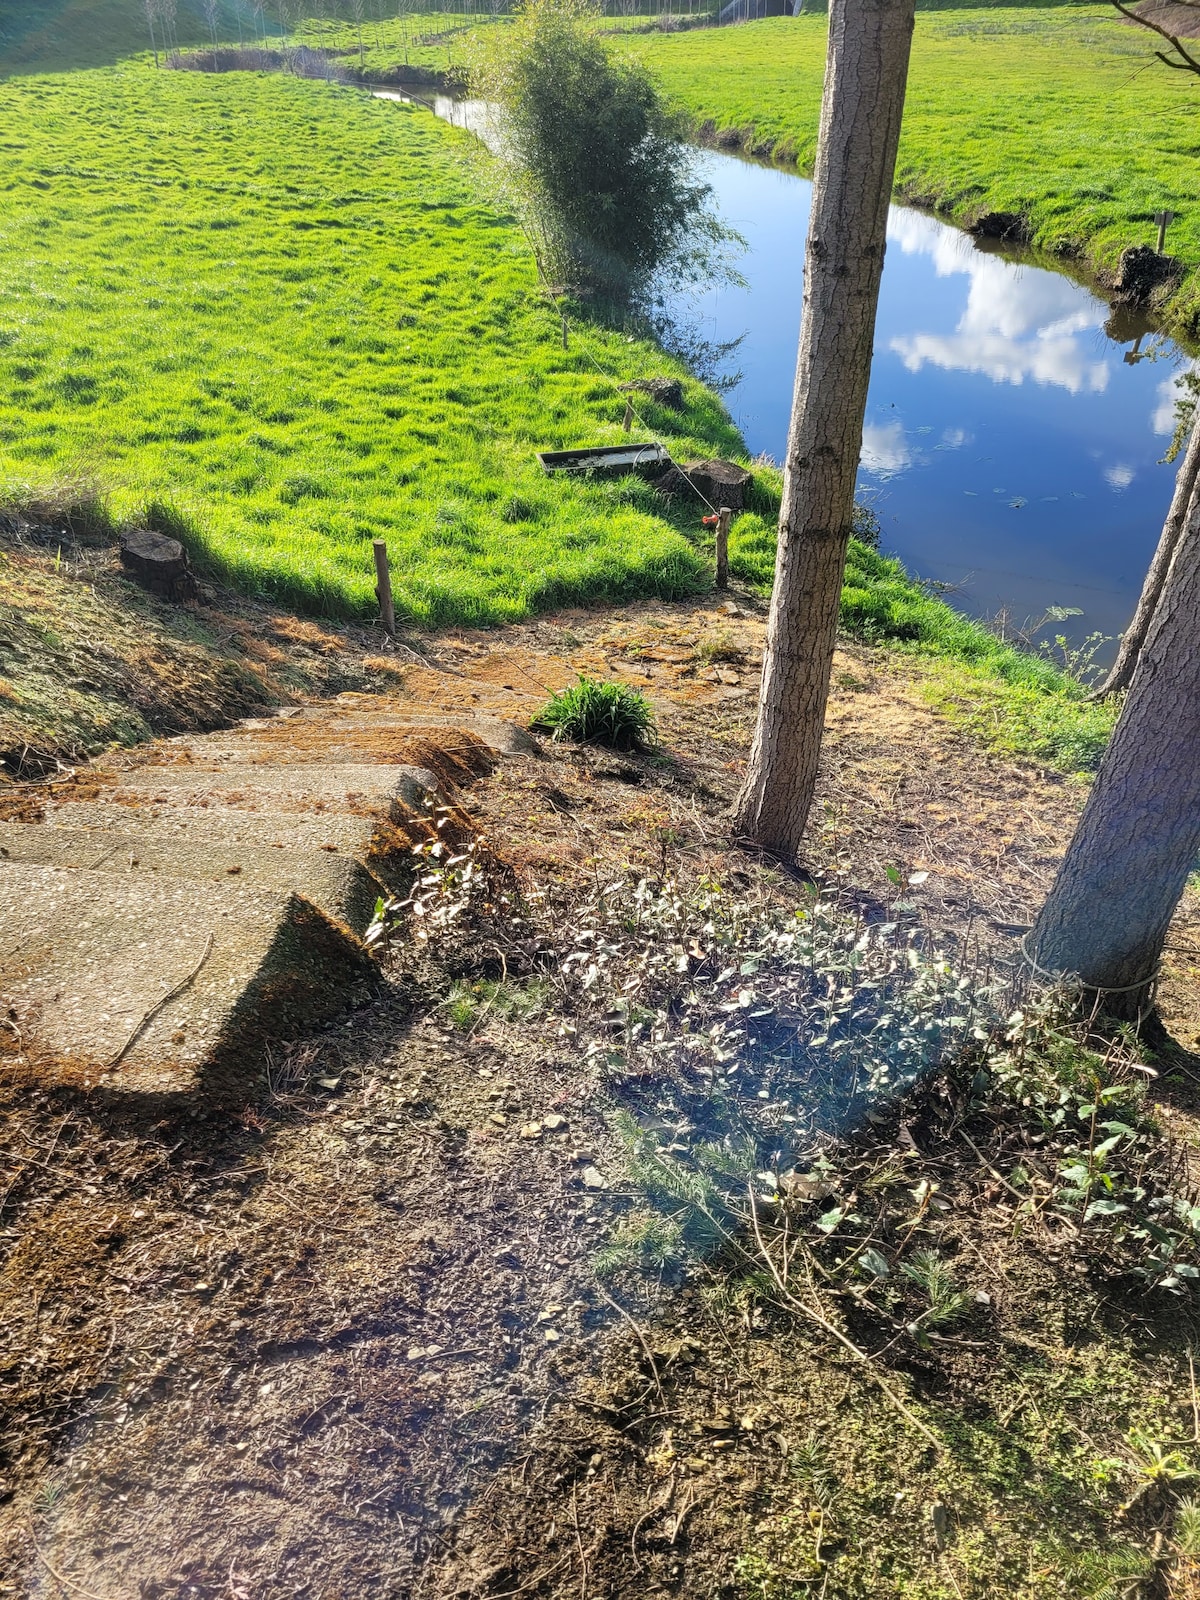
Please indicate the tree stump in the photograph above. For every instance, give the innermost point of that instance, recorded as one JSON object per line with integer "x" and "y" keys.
{"x": 721, "y": 483}
{"x": 664, "y": 391}
{"x": 158, "y": 564}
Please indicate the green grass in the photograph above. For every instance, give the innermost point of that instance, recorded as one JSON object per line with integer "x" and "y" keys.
{"x": 281, "y": 319}
{"x": 1012, "y": 700}
{"x": 1060, "y": 113}
{"x": 589, "y": 712}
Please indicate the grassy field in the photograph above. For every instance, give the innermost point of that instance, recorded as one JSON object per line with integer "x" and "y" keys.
{"x": 1060, "y": 113}
{"x": 280, "y": 318}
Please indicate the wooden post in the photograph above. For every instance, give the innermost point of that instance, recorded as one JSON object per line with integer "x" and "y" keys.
{"x": 1163, "y": 218}
{"x": 723, "y": 516}
{"x": 628, "y": 415}
{"x": 383, "y": 588}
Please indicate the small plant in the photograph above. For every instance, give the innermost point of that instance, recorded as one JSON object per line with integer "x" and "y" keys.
{"x": 589, "y": 712}
{"x": 947, "y": 1301}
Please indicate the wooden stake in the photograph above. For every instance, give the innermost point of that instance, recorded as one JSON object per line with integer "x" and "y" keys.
{"x": 628, "y": 416}
{"x": 1163, "y": 218}
{"x": 723, "y": 516}
{"x": 383, "y": 588}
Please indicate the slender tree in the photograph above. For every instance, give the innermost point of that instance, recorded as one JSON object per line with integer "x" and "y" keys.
{"x": 212, "y": 11}
{"x": 357, "y": 7}
{"x": 1105, "y": 919}
{"x": 865, "y": 74}
{"x": 150, "y": 11}
{"x": 168, "y": 13}
{"x": 1134, "y": 637}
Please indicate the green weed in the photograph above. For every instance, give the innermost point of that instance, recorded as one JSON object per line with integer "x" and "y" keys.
{"x": 589, "y": 712}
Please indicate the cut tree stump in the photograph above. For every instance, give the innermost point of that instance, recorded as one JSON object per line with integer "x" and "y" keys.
{"x": 721, "y": 483}
{"x": 158, "y": 563}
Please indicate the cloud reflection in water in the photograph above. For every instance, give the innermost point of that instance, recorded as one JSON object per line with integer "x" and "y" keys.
{"x": 1016, "y": 324}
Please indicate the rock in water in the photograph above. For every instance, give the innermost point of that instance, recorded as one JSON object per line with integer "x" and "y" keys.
{"x": 158, "y": 563}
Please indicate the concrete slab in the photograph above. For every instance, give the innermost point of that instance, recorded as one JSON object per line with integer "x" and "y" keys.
{"x": 395, "y": 792}
{"x": 86, "y": 956}
{"x": 337, "y": 883}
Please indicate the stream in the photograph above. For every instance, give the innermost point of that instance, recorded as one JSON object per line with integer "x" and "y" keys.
{"x": 1015, "y": 423}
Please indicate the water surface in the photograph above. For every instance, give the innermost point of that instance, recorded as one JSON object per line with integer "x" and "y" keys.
{"x": 1014, "y": 425}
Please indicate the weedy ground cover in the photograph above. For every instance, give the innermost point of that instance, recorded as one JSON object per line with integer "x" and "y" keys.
{"x": 932, "y": 1256}
{"x": 1059, "y": 113}
{"x": 280, "y": 319}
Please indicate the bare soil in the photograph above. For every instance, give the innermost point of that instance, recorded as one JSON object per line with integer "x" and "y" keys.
{"x": 350, "y": 1342}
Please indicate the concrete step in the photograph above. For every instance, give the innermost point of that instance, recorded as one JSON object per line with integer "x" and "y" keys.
{"x": 308, "y": 787}
{"x": 338, "y": 884}
{"x": 85, "y": 956}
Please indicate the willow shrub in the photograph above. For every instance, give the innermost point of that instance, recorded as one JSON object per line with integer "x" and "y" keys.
{"x": 592, "y": 157}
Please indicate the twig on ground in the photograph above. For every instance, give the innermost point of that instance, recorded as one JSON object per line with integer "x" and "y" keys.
{"x": 67, "y": 1583}
{"x": 836, "y": 1333}
{"x": 158, "y": 1005}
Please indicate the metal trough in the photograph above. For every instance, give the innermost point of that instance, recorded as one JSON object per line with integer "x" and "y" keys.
{"x": 606, "y": 458}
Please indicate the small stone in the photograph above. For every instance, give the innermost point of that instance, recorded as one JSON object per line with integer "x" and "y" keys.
{"x": 551, "y": 1335}
{"x": 499, "y": 1119}
{"x": 554, "y": 1123}
{"x": 731, "y": 610}
{"x": 592, "y": 1178}
{"x": 531, "y": 1130}
{"x": 727, "y": 675}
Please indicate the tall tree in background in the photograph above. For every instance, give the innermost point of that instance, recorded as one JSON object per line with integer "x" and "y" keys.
{"x": 1105, "y": 919}
{"x": 1134, "y": 637}
{"x": 150, "y": 10}
{"x": 212, "y": 11}
{"x": 865, "y": 75}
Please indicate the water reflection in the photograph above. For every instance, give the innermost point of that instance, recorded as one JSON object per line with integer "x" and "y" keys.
{"x": 1014, "y": 423}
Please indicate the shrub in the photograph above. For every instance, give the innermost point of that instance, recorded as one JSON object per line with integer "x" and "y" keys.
{"x": 599, "y": 713}
{"x": 596, "y": 163}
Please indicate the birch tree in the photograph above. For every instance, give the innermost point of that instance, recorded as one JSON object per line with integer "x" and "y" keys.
{"x": 150, "y": 11}
{"x": 866, "y": 71}
{"x": 1105, "y": 919}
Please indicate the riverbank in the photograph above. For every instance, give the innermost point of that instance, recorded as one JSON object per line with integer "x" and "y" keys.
{"x": 319, "y": 330}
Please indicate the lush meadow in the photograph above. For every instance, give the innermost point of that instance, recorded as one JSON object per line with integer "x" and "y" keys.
{"x": 281, "y": 318}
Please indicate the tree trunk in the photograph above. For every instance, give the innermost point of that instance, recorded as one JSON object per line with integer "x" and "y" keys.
{"x": 1135, "y": 635}
{"x": 865, "y": 72}
{"x": 1106, "y": 916}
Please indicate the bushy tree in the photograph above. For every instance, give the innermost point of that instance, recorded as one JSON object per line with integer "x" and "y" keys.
{"x": 594, "y": 160}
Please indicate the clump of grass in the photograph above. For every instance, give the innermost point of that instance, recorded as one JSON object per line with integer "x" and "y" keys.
{"x": 590, "y": 712}
{"x": 71, "y": 501}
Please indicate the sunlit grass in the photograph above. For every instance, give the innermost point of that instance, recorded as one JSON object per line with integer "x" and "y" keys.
{"x": 281, "y": 319}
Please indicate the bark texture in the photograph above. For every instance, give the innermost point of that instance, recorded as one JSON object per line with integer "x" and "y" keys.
{"x": 1135, "y": 635}
{"x": 865, "y": 74}
{"x": 1106, "y": 916}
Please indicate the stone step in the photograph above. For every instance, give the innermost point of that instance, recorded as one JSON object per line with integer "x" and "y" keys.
{"x": 396, "y": 792}
{"x": 337, "y": 883}
{"x": 85, "y": 956}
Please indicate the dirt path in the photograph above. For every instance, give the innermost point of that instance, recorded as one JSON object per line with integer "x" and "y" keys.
{"x": 349, "y": 1341}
